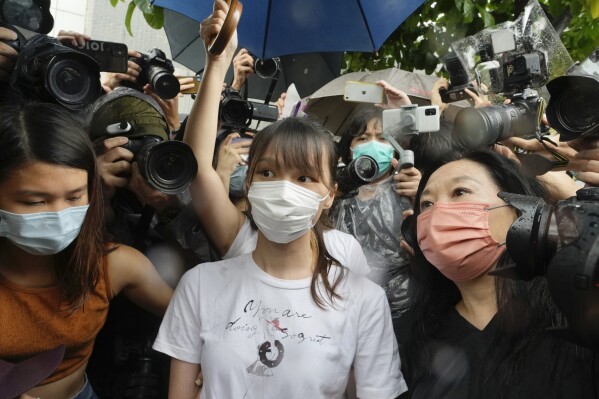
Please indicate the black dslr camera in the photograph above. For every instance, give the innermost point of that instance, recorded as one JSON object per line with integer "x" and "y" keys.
{"x": 561, "y": 243}
{"x": 48, "y": 71}
{"x": 459, "y": 81}
{"x": 157, "y": 70}
{"x": 237, "y": 113}
{"x": 167, "y": 166}
{"x": 520, "y": 69}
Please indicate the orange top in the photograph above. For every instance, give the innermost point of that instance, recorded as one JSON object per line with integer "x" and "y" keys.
{"x": 31, "y": 322}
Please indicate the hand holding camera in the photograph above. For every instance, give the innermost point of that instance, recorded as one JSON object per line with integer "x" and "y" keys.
{"x": 8, "y": 55}
{"x": 111, "y": 81}
{"x": 114, "y": 164}
{"x": 243, "y": 66}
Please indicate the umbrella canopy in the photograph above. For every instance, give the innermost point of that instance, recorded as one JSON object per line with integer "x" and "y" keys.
{"x": 327, "y": 103}
{"x": 308, "y": 71}
{"x": 275, "y": 28}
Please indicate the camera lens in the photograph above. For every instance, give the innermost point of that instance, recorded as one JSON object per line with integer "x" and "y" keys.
{"x": 72, "y": 81}
{"x": 457, "y": 73}
{"x": 574, "y": 111}
{"x": 164, "y": 83}
{"x": 168, "y": 166}
{"x": 236, "y": 112}
{"x": 266, "y": 69}
{"x": 363, "y": 169}
{"x": 430, "y": 111}
{"x": 480, "y": 127}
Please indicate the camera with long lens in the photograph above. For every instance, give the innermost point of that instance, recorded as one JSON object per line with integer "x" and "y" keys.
{"x": 521, "y": 70}
{"x": 48, "y": 71}
{"x": 237, "y": 113}
{"x": 33, "y": 15}
{"x": 156, "y": 70}
{"x": 166, "y": 165}
{"x": 573, "y": 109}
{"x": 560, "y": 242}
{"x": 360, "y": 171}
{"x": 459, "y": 81}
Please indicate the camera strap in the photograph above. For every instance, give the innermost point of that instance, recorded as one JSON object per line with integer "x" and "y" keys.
{"x": 271, "y": 88}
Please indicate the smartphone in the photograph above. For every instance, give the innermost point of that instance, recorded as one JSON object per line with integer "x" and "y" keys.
{"x": 110, "y": 56}
{"x": 454, "y": 94}
{"x": 196, "y": 84}
{"x": 417, "y": 119}
{"x": 363, "y": 92}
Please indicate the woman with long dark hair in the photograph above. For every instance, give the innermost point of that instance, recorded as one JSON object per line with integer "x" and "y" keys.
{"x": 471, "y": 334}
{"x": 289, "y": 318}
{"x": 57, "y": 270}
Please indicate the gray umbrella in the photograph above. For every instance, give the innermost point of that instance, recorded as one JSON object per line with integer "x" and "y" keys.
{"x": 327, "y": 103}
{"x": 308, "y": 71}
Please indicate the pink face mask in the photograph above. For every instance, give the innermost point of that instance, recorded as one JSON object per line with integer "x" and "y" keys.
{"x": 455, "y": 238}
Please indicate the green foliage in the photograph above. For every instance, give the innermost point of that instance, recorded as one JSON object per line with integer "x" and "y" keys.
{"x": 425, "y": 37}
{"x": 153, "y": 15}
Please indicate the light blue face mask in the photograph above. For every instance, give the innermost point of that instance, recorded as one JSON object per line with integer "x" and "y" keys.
{"x": 43, "y": 233}
{"x": 237, "y": 181}
{"x": 381, "y": 152}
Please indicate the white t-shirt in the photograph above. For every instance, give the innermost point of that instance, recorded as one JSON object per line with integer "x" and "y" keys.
{"x": 342, "y": 246}
{"x": 257, "y": 336}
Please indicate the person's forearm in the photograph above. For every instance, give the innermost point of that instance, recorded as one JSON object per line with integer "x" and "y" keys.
{"x": 202, "y": 124}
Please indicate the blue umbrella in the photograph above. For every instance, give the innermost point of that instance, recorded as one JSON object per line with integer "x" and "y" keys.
{"x": 272, "y": 28}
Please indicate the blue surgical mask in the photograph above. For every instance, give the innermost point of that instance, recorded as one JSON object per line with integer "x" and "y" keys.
{"x": 381, "y": 152}
{"x": 237, "y": 181}
{"x": 43, "y": 233}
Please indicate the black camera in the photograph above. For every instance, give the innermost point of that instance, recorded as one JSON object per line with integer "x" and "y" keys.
{"x": 459, "y": 81}
{"x": 237, "y": 113}
{"x": 48, "y": 71}
{"x": 167, "y": 166}
{"x": 157, "y": 70}
{"x": 360, "y": 171}
{"x": 33, "y": 15}
{"x": 573, "y": 109}
{"x": 561, "y": 243}
{"x": 480, "y": 127}
{"x": 267, "y": 69}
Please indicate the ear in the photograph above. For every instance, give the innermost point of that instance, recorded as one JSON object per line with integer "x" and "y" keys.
{"x": 328, "y": 202}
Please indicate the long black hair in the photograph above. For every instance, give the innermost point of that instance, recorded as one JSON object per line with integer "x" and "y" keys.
{"x": 40, "y": 132}
{"x": 305, "y": 145}
{"x": 356, "y": 128}
{"x": 524, "y": 308}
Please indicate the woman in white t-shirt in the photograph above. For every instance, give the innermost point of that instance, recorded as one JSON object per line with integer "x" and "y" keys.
{"x": 288, "y": 319}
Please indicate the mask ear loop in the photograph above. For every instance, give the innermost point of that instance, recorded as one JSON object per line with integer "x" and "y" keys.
{"x": 496, "y": 207}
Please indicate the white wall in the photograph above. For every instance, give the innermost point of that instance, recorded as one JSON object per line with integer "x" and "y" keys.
{"x": 68, "y": 15}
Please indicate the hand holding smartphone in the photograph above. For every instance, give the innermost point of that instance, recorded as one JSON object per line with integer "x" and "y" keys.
{"x": 363, "y": 92}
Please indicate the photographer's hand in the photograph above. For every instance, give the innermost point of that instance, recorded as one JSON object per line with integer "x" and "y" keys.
{"x": 75, "y": 38}
{"x": 586, "y": 163}
{"x": 229, "y": 156}
{"x": 395, "y": 97}
{"x": 281, "y": 104}
{"x": 478, "y": 101}
{"x": 111, "y": 81}
{"x": 114, "y": 165}
{"x": 442, "y": 83}
{"x": 406, "y": 180}
{"x": 243, "y": 65}
{"x": 8, "y": 55}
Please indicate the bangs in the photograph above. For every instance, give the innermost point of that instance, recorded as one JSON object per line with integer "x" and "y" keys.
{"x": 296, "y": 144}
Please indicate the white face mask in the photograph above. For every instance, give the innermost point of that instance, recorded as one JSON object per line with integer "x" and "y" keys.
{"x": 283, "y": 211}
{"x": 43, "y": 233}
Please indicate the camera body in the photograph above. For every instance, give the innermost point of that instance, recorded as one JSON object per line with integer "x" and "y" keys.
{"x": 459, "y": 81}
{"x": 360, "y": 171}
{"x": 237, "y": 113}
{"x": 560, "y": 243}
{"x": 157, "y": 70}
{"x": 46, "y": 70}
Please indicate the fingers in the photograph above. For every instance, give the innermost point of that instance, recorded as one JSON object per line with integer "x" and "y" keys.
{"x": 134, "y": 53}
{"x": 114, "y": 142}
{"x": 7, "y": 34}
{"x": 75, "y": 38}
{"x": 403, "y": 244}
{"x": 229, "y": 138}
